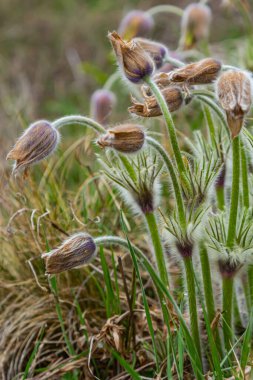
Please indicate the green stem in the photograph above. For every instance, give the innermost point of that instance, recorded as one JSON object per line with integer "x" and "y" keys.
{"x": 190, "y": 280}
{"x": 208, "y": 291}
{"x": 178, "y": 195}
{"x": 234, "y": 193}
{"x": 250, "y": 281}
{"x": 169, "y": 122}
{"x": 78, "y": 119}
{"x": 158, "y": 248}
{"x": 227, "y": 294}
{"x": 166, "y": 9}
{"x": 245, "y": 181}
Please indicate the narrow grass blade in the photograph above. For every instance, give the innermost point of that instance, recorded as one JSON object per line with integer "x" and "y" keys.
{"x": 247, "y": 342}
{"x": 33, "y": 354}
{"x": 126, "y": 366}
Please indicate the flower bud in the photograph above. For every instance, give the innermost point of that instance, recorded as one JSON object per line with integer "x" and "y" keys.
{"x": 234, "y": 92}
{"x": 195, "y": 24}
{"x": 156, "y": 50}
{"x": 135, "y": 63}
{"x": 135, "y": 24}
{"x": 37, "y": 142}
{"x": 229, "y": 268}
{"x": 77, "y": 250}
{"x": 202, "y": 72}
{"x": 102, "y": 102}
{"x": 150, "y": 107}
{"x": 125, "y": 138}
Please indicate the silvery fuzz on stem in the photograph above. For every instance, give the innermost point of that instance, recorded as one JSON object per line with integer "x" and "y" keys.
{"x": 36, "y": 143}
{"x": 201, "y": 72}
{"x": 195, "y": 25}
{"x": 102, "y": 103}
{"x": 136, "y": 23}
{"x": 77, "y": 250}
{"x": 125, "y": 138}
{"x": 150, "y": 108}
{"x": 234, "y": 92}
{"x": 156, "y": 50}
{"x": 135, "y": 63}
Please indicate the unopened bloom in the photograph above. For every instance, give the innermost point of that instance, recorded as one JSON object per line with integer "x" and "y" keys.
{"x": 150, "y": 108}
{"x": 126, "y": 138}
{"x": 195, "y": 24}
{"x": 135, "y": 63}
{"x": 37, "y": 142}
{"x": 156, "y": 50}
{"x": 102, "y": 102}
{"x": 136, "y": 23}
{"x": 234, "y": 92}
{"x": 77, "y": 250}
{"x": 201, "y": 72}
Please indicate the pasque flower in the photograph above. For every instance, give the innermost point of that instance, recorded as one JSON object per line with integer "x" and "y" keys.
{"x": 150, "y": 107}
{"x": 136, "y": 23}
{"x": 201, "y": 72}
{"x": 133, "y": 60}
{"x": 102, "y": 102}
{"x": 37, "y": 142}
{"x": 234, "y": 92}
{"x": 195, "y": 24}
{"x": 79, "y": 249}
{"x": 156, "y": 50}
{"x": 125, "y": 138}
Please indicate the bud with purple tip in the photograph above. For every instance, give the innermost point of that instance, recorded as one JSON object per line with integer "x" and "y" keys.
{"x": 133, "y": 60}
{"x": 156, "y": 50}
{"x": 102, "y": 102}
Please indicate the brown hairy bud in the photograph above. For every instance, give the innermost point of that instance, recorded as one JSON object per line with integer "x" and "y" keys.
{"x": 135, "y": 63}
{"x": 102, "y": 102}
{"x": 195, "y": 24}
{"x": 37, "y": 142}
{"x": 155, "y": 49}
{"x": 201, "y": 72}
{"x": 126, "y": 138}
{"x": 150, "y": 108}
{"x": 77, "y": 250}
{"x": 135, "y": 24}
{"x": 234, "y": 92}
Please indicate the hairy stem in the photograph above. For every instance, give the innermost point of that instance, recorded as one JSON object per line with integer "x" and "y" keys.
{"x": 165, "y": 9}
{"x": 178, "y": 194}
{"x": 190, "y": 281}
{"x": 227, "y": 302}
{"x": 245, "y": 181}
{"x": 208, "y": 292}
{"x": 234, "y": 193}
{"x": 169, "y": 122}
{"x": 157, "y": 245}
{"x": 78, "y": 119}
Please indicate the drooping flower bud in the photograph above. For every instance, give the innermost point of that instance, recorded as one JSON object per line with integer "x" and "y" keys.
{"x": 201, "y": 72}
{"x": 76, "y": 251}
{"x": 37, "y": 142}
{"x": 135, "y": 63}
{"x": 102, "y": 102}
{"x": 150, "y": 108}
{"x": 135, "y": 24}
{"x": 156, "y": 50}
{"x": 234, "y": 92}
{"x": 195, "y": 24}
{"x": 125, "y": 138}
